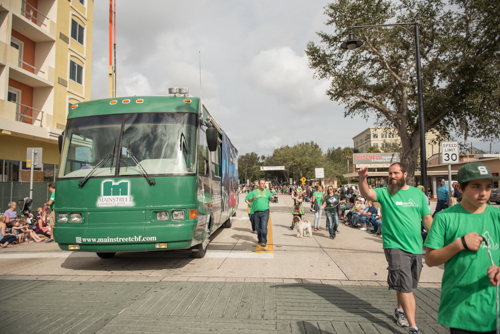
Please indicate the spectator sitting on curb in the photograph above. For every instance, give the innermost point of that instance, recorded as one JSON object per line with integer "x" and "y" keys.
{"x": 10, "y": 214}
{"x": 6, "y": 238}
{"x": 369, "y": 212}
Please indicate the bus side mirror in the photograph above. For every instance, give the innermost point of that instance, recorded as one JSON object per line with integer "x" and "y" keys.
{"x": 59, "y": 141}
{"x": 212, "y": 137}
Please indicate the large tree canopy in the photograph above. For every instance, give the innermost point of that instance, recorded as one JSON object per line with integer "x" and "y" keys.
{"x": 460, "y": 49}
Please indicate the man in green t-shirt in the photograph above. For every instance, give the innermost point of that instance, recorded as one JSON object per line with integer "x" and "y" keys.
{"x": 51, "y": 205}
{"x": 456, "y": 238}
{"x": 403, "y": 209}
{"x": 250, "y": 207}
{"x": 260, "y": 200}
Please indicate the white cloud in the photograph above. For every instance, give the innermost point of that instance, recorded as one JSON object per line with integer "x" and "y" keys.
{"x": 267, "y": 145}
{"x": 287, "y": 76}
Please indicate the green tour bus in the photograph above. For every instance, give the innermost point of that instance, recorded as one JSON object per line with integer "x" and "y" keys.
{"x": 143, "y": 174}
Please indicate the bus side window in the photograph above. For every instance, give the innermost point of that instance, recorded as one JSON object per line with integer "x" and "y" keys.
{"x": 217, "y": 161}
{"x": 203, "y": 166}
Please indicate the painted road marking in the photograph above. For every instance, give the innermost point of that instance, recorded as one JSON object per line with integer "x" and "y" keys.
{"x": 270, "y": 243}
{"x": 210, "y": 254}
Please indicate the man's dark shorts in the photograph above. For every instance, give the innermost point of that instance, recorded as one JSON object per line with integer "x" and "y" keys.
{"x": 404, "y": 270}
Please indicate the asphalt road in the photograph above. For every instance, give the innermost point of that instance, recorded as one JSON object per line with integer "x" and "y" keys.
{"x": 296, "y": 285}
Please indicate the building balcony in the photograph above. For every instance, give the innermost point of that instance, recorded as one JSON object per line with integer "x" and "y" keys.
{"x": 14, "y": 120}
{"x": 26, "y": 73}
{"x": 32, "y": 22}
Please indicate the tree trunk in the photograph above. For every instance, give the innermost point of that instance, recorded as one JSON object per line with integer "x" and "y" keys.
{"x": 410, "y": 147}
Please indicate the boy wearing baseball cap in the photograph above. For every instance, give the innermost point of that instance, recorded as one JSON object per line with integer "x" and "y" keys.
{"x": 468, "y": 302}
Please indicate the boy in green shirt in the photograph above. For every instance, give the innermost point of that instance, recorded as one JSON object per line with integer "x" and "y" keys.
{"x": 260, "y": 199}
{"x": 468, "y": 301}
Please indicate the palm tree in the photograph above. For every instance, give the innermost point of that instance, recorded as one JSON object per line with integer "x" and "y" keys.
{"x": 347, "y": 153}
{"x": 373, "y": 149}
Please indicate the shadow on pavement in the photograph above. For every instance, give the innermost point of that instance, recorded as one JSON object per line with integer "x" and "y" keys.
{"x": 345, "y": 304}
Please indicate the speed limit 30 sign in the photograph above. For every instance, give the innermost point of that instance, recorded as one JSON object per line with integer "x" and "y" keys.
{"x": 450, "y": 152}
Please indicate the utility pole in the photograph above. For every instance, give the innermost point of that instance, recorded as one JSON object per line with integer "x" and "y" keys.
{"x": 112, "y": 48}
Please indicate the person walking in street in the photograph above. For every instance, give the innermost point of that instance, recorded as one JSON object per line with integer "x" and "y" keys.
{"x": 461, "y": 238}
{"x": 298, "y": 208}
{"x": 260, "y": 199}
{"x": 318, "y": 197}
{"x": 52, "y": 216}
{"x": 331, "y": 201}
{"x": 403, "y": 208}
{"x": 250, "y": 207}
{"x": 442, "y": 197}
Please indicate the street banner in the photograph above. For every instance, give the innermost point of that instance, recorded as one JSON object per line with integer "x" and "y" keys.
{"x": 272, "y": 168}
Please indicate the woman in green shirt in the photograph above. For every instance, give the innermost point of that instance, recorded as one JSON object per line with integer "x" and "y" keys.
{"x": 318, "y": 197}
{"x": 330, "y": 204}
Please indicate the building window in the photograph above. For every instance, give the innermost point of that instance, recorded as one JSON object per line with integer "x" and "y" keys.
{"x": 75, "y": 72}
{"x": 82, "y": 2}
{"x": 375, "y": 144}
{"x": 375, "y": 135}
{"x": 77, "y": 32}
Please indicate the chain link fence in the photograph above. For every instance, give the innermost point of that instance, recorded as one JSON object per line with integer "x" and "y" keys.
{"x": 16, "y": 191}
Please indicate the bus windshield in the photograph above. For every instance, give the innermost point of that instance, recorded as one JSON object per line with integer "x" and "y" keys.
{"x": 162, "y": 143}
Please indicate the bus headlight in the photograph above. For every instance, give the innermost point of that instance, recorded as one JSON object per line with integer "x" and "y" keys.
{"x": 62, "y": 218}
{"x": 75, "y": 218}
{"x": 163, "y": 215}
{"x": 178, "y": 215}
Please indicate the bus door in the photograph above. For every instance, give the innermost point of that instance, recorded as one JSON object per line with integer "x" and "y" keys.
{"x": 216, "y": 186}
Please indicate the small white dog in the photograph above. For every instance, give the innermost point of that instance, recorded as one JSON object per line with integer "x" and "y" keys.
{"x": 302, "y": 226}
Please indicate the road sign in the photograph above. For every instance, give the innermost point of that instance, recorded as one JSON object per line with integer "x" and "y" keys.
{"x": 450, "y": 152}
{"x": 37, "y": 160}
{"x": 303, "y": 179}
{"x": 320, "y": 173}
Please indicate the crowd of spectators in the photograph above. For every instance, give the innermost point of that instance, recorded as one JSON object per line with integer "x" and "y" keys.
{"x": 26, "y": 226}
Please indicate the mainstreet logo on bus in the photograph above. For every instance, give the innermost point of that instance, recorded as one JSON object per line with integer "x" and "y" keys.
{"x": 115, "y": 194}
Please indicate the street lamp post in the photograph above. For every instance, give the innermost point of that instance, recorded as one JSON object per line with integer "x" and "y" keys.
{"x": 352, "y": 44}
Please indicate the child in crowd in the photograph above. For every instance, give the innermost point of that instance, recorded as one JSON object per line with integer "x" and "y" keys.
{"x": 461, "y": 237}
{"x": 17, "y": 230}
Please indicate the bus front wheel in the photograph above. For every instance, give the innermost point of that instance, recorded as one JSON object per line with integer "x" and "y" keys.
{"x": 199, "y": 250}
{"x": 105, "y": 255}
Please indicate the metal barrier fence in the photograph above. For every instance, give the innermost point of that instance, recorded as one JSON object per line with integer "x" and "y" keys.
{"x": 15, "y": 191}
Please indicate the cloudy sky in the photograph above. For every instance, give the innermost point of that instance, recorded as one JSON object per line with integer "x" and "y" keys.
{"x": 255, "y": 78}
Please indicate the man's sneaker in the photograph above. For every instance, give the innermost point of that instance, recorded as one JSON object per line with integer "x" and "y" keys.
{"x": 414, "y": 331}
{"x": 362, "y": 229}
{"x": 400, "y": 318}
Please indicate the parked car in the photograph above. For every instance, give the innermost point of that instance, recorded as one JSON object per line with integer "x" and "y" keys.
{"x": 495, "y": 195}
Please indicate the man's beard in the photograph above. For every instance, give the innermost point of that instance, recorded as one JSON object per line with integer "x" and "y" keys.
{"x": 393, "y": 188}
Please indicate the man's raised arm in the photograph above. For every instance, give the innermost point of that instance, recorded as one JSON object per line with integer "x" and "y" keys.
{"x": 365, "y": 191}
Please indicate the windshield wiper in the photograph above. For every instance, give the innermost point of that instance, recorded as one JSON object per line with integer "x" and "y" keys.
{"x": 99, "y": 164}
{"x": 150, "y": 180}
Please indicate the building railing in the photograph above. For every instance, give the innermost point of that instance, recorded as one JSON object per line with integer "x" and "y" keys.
{"x": 20, "y": 116}
{"x": 21, "y": 62}
{"x": 24, "y": 11}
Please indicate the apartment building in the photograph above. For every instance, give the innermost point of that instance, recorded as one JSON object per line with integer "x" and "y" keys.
{"x": 45, "y": 63}
{"x": 382, "y": 136}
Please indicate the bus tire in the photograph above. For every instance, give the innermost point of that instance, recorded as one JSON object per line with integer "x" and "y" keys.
{"x": 105, "y": 255}
{"x": 199, "y": 251}
{"x": 228, "y": 223}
